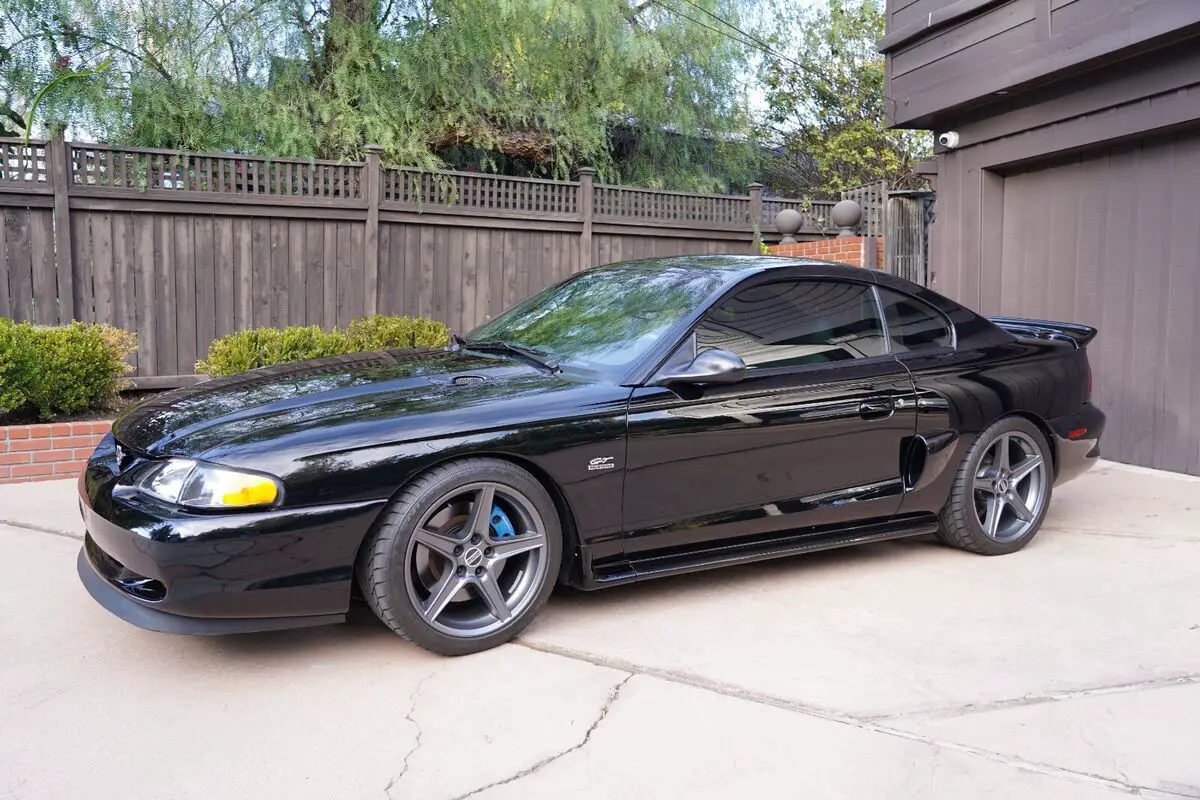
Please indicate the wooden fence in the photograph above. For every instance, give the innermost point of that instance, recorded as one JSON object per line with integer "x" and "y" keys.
{"x": 185, "y": 247}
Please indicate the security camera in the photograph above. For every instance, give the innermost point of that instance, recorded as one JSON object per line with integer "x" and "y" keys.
{"x": 948, "y": 139}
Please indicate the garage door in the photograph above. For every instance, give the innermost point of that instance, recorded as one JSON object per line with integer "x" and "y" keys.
{"x": 1113, "y": 240}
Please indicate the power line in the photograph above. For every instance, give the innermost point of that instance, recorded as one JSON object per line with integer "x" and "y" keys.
{"x": 766, "y": 47}
{"x": 754, "y": 42}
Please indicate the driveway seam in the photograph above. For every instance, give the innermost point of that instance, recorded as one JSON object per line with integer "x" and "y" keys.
{"x": 11, "y": 523}
{"x": 949, "y": 712}
{"x": 1122, "y": 534}
{"x": 866, "y": 724}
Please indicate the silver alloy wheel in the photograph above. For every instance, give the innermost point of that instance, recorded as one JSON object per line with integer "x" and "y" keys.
{"x": 1010, "y": 486}
{"x": 464, "y": 579}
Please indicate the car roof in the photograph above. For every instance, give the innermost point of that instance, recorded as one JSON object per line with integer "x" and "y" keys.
{"x": 738, "y": 266}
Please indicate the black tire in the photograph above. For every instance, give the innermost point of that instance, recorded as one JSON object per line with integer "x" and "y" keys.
{"x": 390, "y": 582}
{"x": 960, "y": 524}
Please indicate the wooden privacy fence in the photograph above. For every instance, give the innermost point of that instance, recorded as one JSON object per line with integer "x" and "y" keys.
{"x": 185, "y": 247}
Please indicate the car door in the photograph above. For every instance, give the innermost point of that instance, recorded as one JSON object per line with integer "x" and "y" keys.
{"x": 812, "y": 435}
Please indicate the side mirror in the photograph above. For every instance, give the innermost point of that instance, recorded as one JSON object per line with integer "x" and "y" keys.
{"x": 710, "y": 366}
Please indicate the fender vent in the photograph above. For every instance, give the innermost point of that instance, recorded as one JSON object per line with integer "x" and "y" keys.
{"x": 466, "y": 380}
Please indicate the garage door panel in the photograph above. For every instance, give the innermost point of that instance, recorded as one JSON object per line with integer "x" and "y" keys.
{"x": 1181, "y": 366}
{"x": 1152, "y": 229}
{"x": 1056, "y": 282}
{"x": 1114, "y": 241}
{"x": 1093, "y": 213}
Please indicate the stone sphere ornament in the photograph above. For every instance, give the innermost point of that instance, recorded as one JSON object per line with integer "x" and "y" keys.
{"x": 846, "y": 215}
{"x": 788, "y": 222}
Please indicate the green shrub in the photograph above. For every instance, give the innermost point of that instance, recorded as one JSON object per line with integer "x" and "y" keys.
{"x": 384, "y": 333}
{"x": 61, "y": 370}
{"x": 263, "y": 347}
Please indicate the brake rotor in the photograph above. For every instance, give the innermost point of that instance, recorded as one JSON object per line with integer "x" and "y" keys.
{"x": 430, "y": 571}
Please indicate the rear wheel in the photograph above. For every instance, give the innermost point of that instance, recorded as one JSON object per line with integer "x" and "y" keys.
{"x": 464, "y": 558}
{"x": 1001, "y": 492}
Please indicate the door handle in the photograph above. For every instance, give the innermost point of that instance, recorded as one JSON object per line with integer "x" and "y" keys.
{"x": 879, "y": 408}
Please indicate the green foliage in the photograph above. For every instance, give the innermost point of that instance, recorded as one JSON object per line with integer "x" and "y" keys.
{"x": 60, "y": 78}
{"x": 61, "y": 370}
{"x": 630, "y": 87}
{"x": 263, "y": 347}
{"x": 18, "y": 364}
{"x": 827, "y": 105}
{"x": 383, "y": 332}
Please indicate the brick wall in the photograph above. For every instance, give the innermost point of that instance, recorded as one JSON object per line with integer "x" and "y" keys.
{"x": 846, "y": 249}
{"x": 51, "y": 451}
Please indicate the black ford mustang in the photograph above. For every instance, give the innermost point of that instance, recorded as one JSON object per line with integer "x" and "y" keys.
{"x": 636, "y": 420}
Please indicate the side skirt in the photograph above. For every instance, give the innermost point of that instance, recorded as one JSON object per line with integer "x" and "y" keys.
{"x": 746, "y": 551}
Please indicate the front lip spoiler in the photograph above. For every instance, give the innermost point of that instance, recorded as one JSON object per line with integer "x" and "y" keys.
{"x": 113, "y": 600}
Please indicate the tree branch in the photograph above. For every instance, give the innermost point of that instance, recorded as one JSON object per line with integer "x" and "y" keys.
{"x": 219, "y": 16}
{"x": 309, "y": 44}
{"x": 146, "y": 56}
{"x": 383, "y": 17}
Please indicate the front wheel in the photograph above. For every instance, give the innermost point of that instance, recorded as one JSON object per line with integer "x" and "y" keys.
{"x": 464, "y": 557}
{"x": 1001, "y": 492}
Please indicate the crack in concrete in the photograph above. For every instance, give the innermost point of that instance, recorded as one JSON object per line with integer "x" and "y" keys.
{"x": 12, "y": 523}
{"x": 408, "y": 715}
{"x": 1083, "y": 737}
{"x": 866, "y": 724}
{"x": 613, "y": 694}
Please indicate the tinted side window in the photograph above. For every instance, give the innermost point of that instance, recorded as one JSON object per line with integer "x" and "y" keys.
{"x": 913, "y": 325}
{"x": 792, "y": 323}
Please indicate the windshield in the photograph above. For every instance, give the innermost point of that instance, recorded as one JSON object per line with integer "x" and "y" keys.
{"x": 602, "y": 321}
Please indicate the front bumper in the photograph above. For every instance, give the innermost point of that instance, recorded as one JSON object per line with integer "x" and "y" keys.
{"x": 152, "y": 619}
{"x": 166, "y": 569}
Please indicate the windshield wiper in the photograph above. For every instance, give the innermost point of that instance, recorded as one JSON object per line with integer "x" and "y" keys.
{"x": 536, "y": 357}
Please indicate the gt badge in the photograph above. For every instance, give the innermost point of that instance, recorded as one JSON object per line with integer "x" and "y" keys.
{"x": 601, "y": 463}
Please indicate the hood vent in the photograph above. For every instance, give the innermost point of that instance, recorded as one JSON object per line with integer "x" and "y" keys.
{"x": 466, "y": 380}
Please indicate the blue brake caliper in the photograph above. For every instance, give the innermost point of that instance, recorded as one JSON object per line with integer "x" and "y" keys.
{"x": 501, "y": 527}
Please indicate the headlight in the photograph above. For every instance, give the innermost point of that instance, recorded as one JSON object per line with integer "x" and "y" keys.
{"x": 193, "y": 483}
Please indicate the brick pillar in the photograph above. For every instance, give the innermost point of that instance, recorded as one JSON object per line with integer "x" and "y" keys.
{"x": 850, "y": 250}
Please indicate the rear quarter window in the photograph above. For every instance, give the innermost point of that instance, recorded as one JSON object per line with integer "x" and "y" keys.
{"x": 914, "y": 325}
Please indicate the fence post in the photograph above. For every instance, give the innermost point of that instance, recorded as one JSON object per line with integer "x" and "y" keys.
{"x": 756, "y": 210}
{"x": 586, "y": 175}
{"x": 58, "y": 164}
{"x": 371, "y": 187}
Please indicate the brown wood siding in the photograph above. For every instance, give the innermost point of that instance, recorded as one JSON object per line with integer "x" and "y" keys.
{"x": 902, "y": 13}
{"x": 1112, "y": 241}
{"x": 1128, "y": 82}
{"x": 960, "y": 43}
{"x": 990, "y": 50}
{"x": 987, "y": 54}
{"x": 1067, "y": 14}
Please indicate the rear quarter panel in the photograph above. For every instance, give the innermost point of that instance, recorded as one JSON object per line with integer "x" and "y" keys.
{"x": 961, "y": 393}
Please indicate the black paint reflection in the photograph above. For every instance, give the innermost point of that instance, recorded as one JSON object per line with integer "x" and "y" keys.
{"x": 604, "y": 320}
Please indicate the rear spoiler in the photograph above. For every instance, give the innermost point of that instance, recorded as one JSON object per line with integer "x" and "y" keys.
{"x": 1073, "y": 332}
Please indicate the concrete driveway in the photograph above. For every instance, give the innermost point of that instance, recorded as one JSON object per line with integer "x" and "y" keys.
{"x": 1069, "y": 670}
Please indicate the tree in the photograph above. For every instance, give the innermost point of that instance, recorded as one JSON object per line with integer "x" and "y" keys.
{"x": 631, "y": 87}
{"x": 827, "y": 105}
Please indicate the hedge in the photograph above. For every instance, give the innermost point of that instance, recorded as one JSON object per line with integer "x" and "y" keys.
{"x": 61, "y": 370}
{"x": 262, "y": 347}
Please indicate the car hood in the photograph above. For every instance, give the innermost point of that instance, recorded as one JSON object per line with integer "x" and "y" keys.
{"x": 395, "y": 392}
